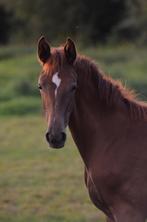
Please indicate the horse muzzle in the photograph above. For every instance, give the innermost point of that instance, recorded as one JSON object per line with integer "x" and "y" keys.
{"x": 56, "y": 140}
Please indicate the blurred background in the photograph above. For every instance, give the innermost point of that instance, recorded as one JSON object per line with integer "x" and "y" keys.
{"x": 38, "y": 184}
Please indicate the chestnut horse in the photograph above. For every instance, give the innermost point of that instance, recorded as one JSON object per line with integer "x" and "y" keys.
{"x": 108, "y": 125}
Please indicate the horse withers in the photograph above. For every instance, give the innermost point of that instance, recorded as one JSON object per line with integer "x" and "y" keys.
{"x": 108, "y": 125}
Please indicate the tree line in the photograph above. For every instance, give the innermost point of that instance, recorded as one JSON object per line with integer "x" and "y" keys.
{"x": 90, "y": 21}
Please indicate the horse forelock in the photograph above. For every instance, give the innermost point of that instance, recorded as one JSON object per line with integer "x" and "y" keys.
{"x": 55, "y": 61}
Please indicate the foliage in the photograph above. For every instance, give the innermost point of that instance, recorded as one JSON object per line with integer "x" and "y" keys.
{"x": 133, "y": 25}
{"x": 90, "y": 21}
{"x": 20, "y": 106}
{"x": 5, "y": 25}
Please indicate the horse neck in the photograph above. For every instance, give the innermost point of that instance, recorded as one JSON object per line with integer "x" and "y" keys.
{"x": 92, "y": 121}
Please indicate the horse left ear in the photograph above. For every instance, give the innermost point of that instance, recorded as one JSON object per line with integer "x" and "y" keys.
{"x": 70, "y": 50}
{"x": 43, "y": 50}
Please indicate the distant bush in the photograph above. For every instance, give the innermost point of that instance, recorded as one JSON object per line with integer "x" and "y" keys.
{"x": 89, "y": 21}
{"x": 20, "y": 106}
{"x": 25, "y": 88}
{"x": 15, "y": 89}
{"x": 5, "y": 25}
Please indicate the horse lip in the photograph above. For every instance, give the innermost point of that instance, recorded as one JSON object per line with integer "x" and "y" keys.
{"x": 56, "y": 145}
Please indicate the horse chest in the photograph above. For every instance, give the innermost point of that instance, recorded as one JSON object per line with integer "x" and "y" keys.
{"x": 96, "y": 195}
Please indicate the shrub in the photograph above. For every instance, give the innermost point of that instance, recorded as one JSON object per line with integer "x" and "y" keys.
{"x": 20, "y": 106}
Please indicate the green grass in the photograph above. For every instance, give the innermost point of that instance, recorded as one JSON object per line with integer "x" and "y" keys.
{"x": 38, "y": 183}
{"x": 18, "y": 74}
{"x": 126, "y": 62}
{"x": 20, "y": 106}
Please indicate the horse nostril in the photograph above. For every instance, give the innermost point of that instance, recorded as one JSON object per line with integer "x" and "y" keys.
{"x": 47, "y": 136}
{"x": 63, "y": 136}
{"x": 57, "y": 139}
{"x": 50, "y": 138}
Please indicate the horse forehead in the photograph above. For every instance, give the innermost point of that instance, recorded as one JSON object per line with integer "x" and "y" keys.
{"x": 56, "y": 79}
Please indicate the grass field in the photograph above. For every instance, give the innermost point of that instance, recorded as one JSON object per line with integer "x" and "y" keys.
{"x": 38, "y": 184}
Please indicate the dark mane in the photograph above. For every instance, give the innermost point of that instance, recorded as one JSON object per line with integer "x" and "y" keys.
{"x": 111, "y": 92}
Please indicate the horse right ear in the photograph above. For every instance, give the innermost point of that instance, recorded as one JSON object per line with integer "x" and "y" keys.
{"x": 70, "y": 51}
{"x": 43, "y": 50}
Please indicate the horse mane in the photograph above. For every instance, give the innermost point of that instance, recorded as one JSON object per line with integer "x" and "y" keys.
{"x": 111, "y": 92}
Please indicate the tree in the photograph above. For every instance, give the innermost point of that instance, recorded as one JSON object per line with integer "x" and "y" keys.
{"x": 92, "y": 20}
{"x": 5, "y": 25}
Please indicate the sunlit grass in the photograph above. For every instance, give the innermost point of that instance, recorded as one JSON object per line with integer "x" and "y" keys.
{"x": 38, "y": 183}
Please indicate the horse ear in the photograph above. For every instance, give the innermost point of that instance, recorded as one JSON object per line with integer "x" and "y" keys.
{"x": 70, "y": 50}
{"x": 43, "y": 50}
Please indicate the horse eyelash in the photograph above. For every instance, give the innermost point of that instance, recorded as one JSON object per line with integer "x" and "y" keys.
{"x": 39, "y": 87}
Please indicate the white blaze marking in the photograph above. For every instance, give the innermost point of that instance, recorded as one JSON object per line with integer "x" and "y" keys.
{"x": 56, "y": 80}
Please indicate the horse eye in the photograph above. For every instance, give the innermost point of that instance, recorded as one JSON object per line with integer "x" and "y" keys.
{"x": 73, "y": 88}
{"x": 39, "y": 87}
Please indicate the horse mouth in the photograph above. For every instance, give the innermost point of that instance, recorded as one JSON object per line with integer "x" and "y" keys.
{"x": 56, "y": 145}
